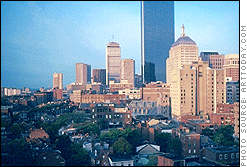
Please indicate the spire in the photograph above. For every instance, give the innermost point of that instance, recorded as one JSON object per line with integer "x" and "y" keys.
{"x": 182, "y": 33}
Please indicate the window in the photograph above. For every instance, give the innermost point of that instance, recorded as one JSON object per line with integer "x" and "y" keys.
{"x": 226, "y": 156}
{"x": 232, "y": 155}
{"x": 237, "y": 155}
{"x": 194, "y": 151}
{"x": 189, "y": 151}
{"x": 220, "y": 157}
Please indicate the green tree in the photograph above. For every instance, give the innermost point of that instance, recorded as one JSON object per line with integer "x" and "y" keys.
{"x": 19, "y": 153}
{"x": 162, "y": 139}
{"x": 122, "y": 146}
{"x": 175, "y": 146}
{"x": 16, "y": 130}
{"x": 224, "y": 135}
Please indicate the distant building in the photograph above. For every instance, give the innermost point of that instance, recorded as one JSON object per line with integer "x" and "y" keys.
{"x": 225, "y": 114}
{"x": 157, "y": 36}
{"x": 124, "y": 84}
{"x": 57, "y": 94}
{"x": 43, "y": 97}
{"x": 113, "y": 62}
{"x": 58, "y": 80}
{"x": 118, "y": 160}
{"x": 110, "y": 115}
{"x": 83, "y": 73}
{"x": 205, "y": 56}
{"x": 183, "y": 51}
{"x": 197, "y": 89}
{"x": 232, "y": 66}
{"x": 11, "y": 91}
{"x": 149, "y": 108}
{"x": 216, "y": 61}
{"x": 149, "y": 72}
{"x": 169, "y": 159}
{"x": 157, "y": 91}
{"x": 99, "y": 75}
{"x": 190, "y": 141}
{"x": 226, "y": 155}
{"x": 130, "y": 93}
{"x": 232, "y": 92}
{"x": 138, "y": 80}
{"x": 128, "y": 70}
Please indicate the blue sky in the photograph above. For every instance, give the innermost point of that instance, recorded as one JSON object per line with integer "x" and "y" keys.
{"x": 41, "y": 38}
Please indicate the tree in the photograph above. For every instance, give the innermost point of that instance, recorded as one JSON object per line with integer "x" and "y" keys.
{"x": 122, "y": 146}
{"x": 19, "y": 153}
{"x": 153, "y": 161}
{"x": 16, "y": 130}
{"x": 224, "y": 135}
{"x": 162, "y": 139}
{"x": 175, "y": 146}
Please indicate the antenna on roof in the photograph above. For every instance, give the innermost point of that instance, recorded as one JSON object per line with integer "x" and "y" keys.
{"x": 182, "y": 33}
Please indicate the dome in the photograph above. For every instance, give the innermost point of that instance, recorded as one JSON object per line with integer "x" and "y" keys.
{"x": 184, "y": 40}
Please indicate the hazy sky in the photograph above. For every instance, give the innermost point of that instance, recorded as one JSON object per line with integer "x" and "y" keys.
{"x": 41, "y": 38}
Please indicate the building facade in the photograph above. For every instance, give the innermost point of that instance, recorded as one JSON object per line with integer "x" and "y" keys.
{"x": 83, "y": 73}
{"x": 157, "y": 36}
{"x": 216, "y": 61}
{"x": 113, "y": 62}
{"x": 128, "y": 70}
{"x": 99, "y": 75}
{"x": 232, "y": 66}
{"x": 58, "y": 80}
{"x": 196, "y": 89}
{"x": 183, "y": 51}
{"x": 232, "y": 92}
{"x": 205, "y": 55}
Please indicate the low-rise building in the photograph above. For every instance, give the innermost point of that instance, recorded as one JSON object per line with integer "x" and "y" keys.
{"x": 223, "y": 154}
{"x": 170, "y": 160}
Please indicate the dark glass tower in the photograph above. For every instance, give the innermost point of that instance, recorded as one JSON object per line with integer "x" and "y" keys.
{"x": 157, "y": 28}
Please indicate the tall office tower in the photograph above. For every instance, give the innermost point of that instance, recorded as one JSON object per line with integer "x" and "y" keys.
{"x": 99, "y": 75}
{"x": 83, "y": 73}
{"x": 113, "y": 62}
{"x": 128, "y": 70}
{"x": 216, "y": 61}
{"x": 232, "y": 66}
{"x": 58, "y": 80}
{"x": 205, "y": 55}
{"x": 183, "y": 51}
{"x": 197, "y": 89}
{"x": 157, "y": 36}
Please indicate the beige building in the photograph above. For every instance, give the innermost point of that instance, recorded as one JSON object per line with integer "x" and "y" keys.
{"x": 124, "y": 84}
{"x": 196, "y": 90}
{"x": 58, "y": 80}
{"x": 232, "y": 66}
{"x": 83, "y": 73}
{"x": 158, "y": 92}
{"x": 130, "y": 93}
{"x": 216, "y": 61}
{"x": 128, "y": 70}
{"x": 183, "y": 51}
{"x": 113, "y": 62}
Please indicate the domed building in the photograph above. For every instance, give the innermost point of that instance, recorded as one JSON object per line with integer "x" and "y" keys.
{"x": 183, "y": 51}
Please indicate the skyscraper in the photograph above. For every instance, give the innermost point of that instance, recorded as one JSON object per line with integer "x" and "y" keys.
{"x": 58, "y": 80}
{"x": 183, "y": 51}
{"x": 157, "y": 36}
{"x": 83, "y": 73}
{"x": 128, "y": 70}
{"x": 99, "y": 75}
{"x": 232, "y": 66}
{"x": 113, "y": 62}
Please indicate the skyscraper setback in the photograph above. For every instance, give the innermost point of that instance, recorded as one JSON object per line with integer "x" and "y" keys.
{"x": 157, "y": 36}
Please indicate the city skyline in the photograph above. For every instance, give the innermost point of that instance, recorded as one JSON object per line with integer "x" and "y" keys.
{"x": 39, "y": 39}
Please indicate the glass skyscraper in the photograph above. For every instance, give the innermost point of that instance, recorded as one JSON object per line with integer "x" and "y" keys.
{"x": 157, "y": 36}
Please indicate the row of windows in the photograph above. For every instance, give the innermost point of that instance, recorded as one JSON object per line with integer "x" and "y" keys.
{"x": 226, "y": 156}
